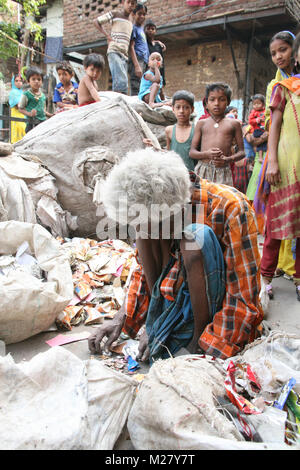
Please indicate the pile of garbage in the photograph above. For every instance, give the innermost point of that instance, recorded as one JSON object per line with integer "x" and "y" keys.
{"x": 250, "y": 401}
{"x": 100, "y": 272}
{"x": 191, "y": 402}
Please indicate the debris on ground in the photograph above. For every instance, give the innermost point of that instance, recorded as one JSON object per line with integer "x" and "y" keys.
{"x": 100, "y": 272}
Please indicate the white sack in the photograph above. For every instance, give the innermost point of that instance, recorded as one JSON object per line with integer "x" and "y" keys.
{"x": 175, "y": 409}
{"x": 62, "y": 141}
{"x": 55, "y": 401}
{"x": 28, "y": 194}
{"x": 28, "y": 305}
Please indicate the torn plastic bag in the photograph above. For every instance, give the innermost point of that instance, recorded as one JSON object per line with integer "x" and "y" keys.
{"x": 30, "y": 305}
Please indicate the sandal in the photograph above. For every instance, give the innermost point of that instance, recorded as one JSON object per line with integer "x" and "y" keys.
{"x": 270, "y": 291}
{"x": 279, "y": 272}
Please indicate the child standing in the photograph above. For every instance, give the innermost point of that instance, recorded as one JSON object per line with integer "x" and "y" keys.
{"x": 139, "y": 51}
{"x": 17, "y": 128}
{"x": 257, "y": 122}
{"x": 214, "y": 137}
{"x": 152, "y": 82}
{"x": 154, "y": 45}
{"x": 88, "y": 88}
{"x": 33, "y": 102}
{"x": 66, "y": 91}
{"x": 118, "y": 43}
{"x": 180, "y": 135}
{"x": 281, "y": 169}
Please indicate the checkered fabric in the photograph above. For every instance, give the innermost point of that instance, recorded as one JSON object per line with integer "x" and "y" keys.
{"x": 232, "y": 219}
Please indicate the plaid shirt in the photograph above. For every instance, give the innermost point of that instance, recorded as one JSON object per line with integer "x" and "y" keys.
{"x": 234, "y": 224}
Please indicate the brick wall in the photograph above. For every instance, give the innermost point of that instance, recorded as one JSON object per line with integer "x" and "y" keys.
{"x": 188, "y": 66}
{"x": 192, "y": 68}
{"x": 79, "y": 14}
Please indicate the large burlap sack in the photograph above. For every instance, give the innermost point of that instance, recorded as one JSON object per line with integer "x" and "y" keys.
{"x": 62, "y": 144}
{"x": 55, "y": 401}
{"x": 175, "y": 409}
{"x": 28, "y": 193}
{"x": 157, "y": 119}
{"x": 28, "y": 304}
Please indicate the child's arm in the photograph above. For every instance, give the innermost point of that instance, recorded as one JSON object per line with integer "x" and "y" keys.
{"x": 137, "y": 68}
{"x": 238, "y": 137}
{"x": 154, "y": 78}
{"x": 254, "y": 119}
{"x": 211, "y": 154}
{"x": 162, "y": 45}
{"x": 31, "y": 113}
{"x": 169, "y": 131}
{"x": 106, "y": 18}
{"x": 273, "y": 174}
{"x": 22, "y": 107}
{"x": 89, "y": 84}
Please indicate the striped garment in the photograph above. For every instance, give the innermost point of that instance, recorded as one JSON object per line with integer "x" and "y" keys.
{"x": 232, "y": 219}
{"x": 120, "y": 32}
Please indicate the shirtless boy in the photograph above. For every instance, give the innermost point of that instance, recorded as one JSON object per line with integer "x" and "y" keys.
{"x": 214, "y": 137}
{"x": 88, "y": 88}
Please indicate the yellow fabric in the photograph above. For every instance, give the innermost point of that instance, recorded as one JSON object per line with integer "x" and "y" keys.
{"x": 286, "y": 261}
{"x": 278, "y": 78}
{"x": 17, "y": 128}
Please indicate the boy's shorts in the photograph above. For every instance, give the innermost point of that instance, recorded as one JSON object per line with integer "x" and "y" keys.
{"x": 118, "y": 68}
{"x": 210, "y": 172}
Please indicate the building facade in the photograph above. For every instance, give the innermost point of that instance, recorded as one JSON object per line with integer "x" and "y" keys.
{"x": 215, "y": 41}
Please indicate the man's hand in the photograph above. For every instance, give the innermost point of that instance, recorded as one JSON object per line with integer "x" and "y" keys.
{"x": 33, "y": 112}
{"x": 110, "y": 330}
{"x": 144, "y": 352}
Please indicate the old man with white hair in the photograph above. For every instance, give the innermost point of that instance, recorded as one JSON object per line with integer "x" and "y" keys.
{"x": 197, "y": 280}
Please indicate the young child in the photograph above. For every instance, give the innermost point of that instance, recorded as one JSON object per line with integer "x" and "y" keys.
{"x": 154, "y": 45}
{"x": 180, "y": 135}
{"x": 214, "y": 137}
{"x": 66, "y": 91}
{"x": 33, "y": 102}
{"x": 17, "y": 128}
{"x": 231, "y": 112}
{"x": 139, "y": 50}
{"x": 152, "y": 82}
{"x": 118, "y": 43}
{"x": 88, "y": 88}
{"x": 280, "y": 181}
{"x": 257, "y": 121}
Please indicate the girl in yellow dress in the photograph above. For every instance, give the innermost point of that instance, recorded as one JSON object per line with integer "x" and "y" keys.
{"x": 17, "y": 128}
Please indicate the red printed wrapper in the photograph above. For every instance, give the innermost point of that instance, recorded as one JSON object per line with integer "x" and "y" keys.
{"x": 238, "y": 400}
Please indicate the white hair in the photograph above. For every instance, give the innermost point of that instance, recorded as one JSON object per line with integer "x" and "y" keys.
{"x": 145, "y": 178}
